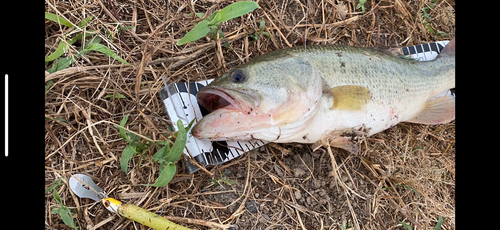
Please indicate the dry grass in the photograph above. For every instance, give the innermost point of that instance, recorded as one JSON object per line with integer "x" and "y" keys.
{"x": 405, "y": 174}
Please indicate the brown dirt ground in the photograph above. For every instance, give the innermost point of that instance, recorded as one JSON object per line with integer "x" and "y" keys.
{"x": 405, "y": 174}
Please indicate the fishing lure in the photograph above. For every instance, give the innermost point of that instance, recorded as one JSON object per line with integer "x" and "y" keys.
{"x": 84, "y": 187}
{"x": 140, "y": 215}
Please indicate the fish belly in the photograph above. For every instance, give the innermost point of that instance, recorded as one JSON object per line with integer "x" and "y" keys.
{"x": 374, "y": 118}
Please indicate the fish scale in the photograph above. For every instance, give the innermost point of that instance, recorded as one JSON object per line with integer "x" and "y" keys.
{"x": 386, "y": 74}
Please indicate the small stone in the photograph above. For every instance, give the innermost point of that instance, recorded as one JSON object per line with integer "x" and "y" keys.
{"x": 228, "y": 172}
{"x": 344, "y": 178}
{"x": 253, "y": 154}
{"x": 252, "y": 206}
{"x": 298, "y": 172}
{"x": 297, "y": 194}
{"x": 315, "y": 184}
{"x": 278, "y": 170}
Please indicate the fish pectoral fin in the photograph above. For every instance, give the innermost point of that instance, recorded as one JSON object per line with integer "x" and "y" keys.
{"x": 438, "y": 111}
{"x": 350, "y": 97}
{"x": 345, "y": 143}
{"x": 346, "y": 140}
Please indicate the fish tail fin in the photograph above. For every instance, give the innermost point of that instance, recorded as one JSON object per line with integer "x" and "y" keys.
{"x": 448, "y": 50}
{"x": 447, "y": 55}
{"x": 437, "y": 111}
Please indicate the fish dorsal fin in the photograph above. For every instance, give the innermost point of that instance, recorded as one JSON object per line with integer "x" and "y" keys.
{"x": 350, "y": 97}
{"x": 438, "y": 111}
{"x": 393, "y": 51}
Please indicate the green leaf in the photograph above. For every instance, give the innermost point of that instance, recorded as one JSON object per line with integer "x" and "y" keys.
{"x": 105, "y": 50}
{"x": 159, "y": 154}
{"x": 88, "y": 44}
{"x": 406, "y": 225}
{"x": 254, "y": 36}
{"x": 122, "y": 130}
{"x": 66, "y": 216}
{"x": 196, "y": 33}
{"x": 56, "y": 210}
{"x": 124, "y": 28}
{"x": 57, "y": 197}
{"x": 230, "y": 182}
{"x": 139, "y": 146}
{"x": 221, "y": 34}
{"x": 262, "y": 25}
{"x": 114, "y": 96}
{"x": 62, "y": 63}
{"x": 166, "y": 175}
{"x": 211, "y": 19}
{"x": 444, "y": 34}
{"x": 85, "y": 21}
{"x": 361, "y": 5}
{"x": 199, "y": 15}
{"x": 127, "y": 154}
{"x": 78, "y": 36}
{"x": 61, "y": 49}
{"x": 416, "y": 148}
{"x": 438, "y": 224}
{"x": 53, "y": 187}
{"x": 47, "y": 86}
{"x": 63, "y": 46}
{"x": 235, "y": 10}
{"x": 60, "y": 20}
{"x": 162, "y": 152}
{"x": 190, "y": 125}
{"x": 179, "y": 144}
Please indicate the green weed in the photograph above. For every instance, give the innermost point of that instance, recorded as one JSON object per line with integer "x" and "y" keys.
{"x": 93, "y": 44}
{"x": 210, "y": 25}
{"x": 426, "y": 19}
{"x": 166, "y": 156}
{"x": 115, "y": 96}
{"x": 256, "y": 35}
{"x": 222, "y": 179}
{"x": 361, "y": 5}
{"x": 437, "y": 227}
{"x": 135, "y": 145}
{"x": 63, "y": 211}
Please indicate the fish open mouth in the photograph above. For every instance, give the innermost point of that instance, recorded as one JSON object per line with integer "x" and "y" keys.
{"x": 229, "y": 114}
{"x": 216, "y": 98}
{"x": 233, "y": 115}
{"x": 213, "y": 99}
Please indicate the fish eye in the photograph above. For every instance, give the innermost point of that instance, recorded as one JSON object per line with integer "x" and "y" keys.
{"x": 237, "y": 76}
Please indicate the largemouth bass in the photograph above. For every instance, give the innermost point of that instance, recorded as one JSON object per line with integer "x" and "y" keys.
{"x": 326, "y": 91}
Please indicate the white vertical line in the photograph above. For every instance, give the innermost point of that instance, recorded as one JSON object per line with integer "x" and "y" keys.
{"x": 6, "y": 115}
